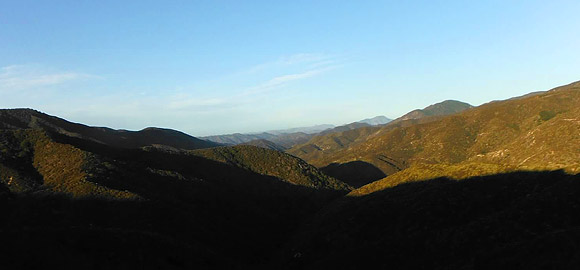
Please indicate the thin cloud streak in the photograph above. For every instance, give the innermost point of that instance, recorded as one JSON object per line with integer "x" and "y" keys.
{"x": 283, "y": 80}
{"x": 313, "y": 64}
{"x": 18, "y": 77}
{"x": 313, "y": 59}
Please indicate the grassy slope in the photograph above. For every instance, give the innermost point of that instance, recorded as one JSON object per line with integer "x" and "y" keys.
{"x": 497, "y": 133}
{"x": 273, "y": 163}
{"x": 329, "y": 147}
{"x": 32, "y": 162}
{"x": 541, "y": 132}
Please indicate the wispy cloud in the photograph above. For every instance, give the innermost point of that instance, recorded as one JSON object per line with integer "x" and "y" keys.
{"x": 259, "y": 79}
{"x": 292, "y": 68}
{"x": 17, "y": 77}
{"x": 285, "y": 61}
{"x": 286, "y": 79}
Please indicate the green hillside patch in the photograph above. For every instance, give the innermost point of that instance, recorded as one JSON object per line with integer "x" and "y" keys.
{"x": 35, "y": 163}
{"x": 547, "y": 115}
{"x": 422, "y": 172}
{"x": 273, "y": 163}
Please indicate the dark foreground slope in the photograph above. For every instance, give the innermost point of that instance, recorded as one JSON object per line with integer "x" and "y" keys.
{"x": 68, "y": 202}
{"x": 520, "y": 220}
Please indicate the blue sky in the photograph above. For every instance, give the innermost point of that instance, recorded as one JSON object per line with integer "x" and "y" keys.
{"x": 214, "y": 67}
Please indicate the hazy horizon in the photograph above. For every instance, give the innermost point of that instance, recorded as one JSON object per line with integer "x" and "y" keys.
{"x": 209, "y": 68}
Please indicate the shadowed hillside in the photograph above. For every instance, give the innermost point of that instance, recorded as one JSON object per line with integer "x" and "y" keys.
{"x": 155, "y": 207}
{"x": 520, "y": 220}
{"x": 354, "y": 173}
{"x": 273, "y": 163}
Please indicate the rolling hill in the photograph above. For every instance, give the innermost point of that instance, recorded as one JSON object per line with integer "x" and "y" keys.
{"x": 69, "y": 200}
{"x": 330, "y": 147}
{"x": 532, "y": 132}
{"x": 273, "y": 163}
{"x": 27, "y": 118}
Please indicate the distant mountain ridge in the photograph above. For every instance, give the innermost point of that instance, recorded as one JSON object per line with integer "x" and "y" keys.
{"x": 377, "y": 120}
{"x": 282, "y": 137}
{"x": 287, "y": 138}
{"x": 308, "y": 130}
{"x": 265, "y": 144}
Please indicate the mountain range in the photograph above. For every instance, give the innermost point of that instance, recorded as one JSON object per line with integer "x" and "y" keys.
{"x": 328, "y": 148}
{"x": 284, "y": 138}
{"x": 287, "y": 138}
{"x": 450, "y": 186}
{"x": 499, "y": 132}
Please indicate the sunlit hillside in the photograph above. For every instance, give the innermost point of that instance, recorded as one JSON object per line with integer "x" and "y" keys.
{"x": 533, "y": 132}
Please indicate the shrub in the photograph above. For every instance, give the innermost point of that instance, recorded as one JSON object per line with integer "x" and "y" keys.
{"x": 547, "y": 115}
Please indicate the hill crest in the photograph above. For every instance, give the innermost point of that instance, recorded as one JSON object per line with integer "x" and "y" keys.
{"x": 29, "y": 118}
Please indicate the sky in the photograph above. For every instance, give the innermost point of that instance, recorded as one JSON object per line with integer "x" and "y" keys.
{"x": 218, "y": 67}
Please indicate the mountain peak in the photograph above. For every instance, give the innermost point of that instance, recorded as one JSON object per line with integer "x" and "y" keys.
{"x": 377, "y": 120}
{"x": 442, "y": 108}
